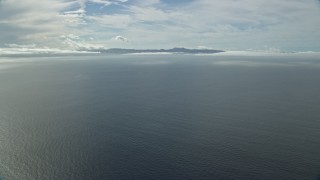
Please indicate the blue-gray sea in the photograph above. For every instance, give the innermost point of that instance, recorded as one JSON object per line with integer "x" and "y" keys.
{"x": 160, "y": 117}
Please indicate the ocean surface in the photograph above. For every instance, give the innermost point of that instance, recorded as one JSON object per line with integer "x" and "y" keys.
{"x": 160, "y": 117}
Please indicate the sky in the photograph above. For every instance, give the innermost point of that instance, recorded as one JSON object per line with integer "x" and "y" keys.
{"x": 276, "y": 25}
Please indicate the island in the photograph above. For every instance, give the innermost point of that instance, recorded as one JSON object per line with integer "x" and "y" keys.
{"x": 173, "y": 50}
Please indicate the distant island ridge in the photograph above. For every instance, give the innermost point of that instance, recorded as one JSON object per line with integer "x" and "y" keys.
{"x": 172, "y": 50}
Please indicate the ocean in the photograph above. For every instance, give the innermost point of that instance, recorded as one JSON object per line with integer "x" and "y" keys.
{"x": 165, "y": 117}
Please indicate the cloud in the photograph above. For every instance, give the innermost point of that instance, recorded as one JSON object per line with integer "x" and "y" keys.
{"x": 108, "y": 2}
{"x": 119, "y": 21}
{"x": 21, "y": 45}
{"x": 37, "y": 50}
{"x": 230, "y": 24}
{"x": 121, "y": 38}
{"x": 79, "y": 11}
{"x": 77, "y": 43}
{"x": 32, "y": 21}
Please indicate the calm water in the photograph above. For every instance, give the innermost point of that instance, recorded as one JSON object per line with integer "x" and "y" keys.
{"x": 160, "y": 117}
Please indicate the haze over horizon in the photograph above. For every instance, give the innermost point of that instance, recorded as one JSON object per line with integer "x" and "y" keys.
{"x": 225, "y": 25}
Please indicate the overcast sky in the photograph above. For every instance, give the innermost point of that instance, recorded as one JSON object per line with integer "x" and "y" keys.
{"x": 287, "y": 25}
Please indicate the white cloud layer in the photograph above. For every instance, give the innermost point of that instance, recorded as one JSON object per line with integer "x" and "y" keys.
{"x": 37, "y": 51}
